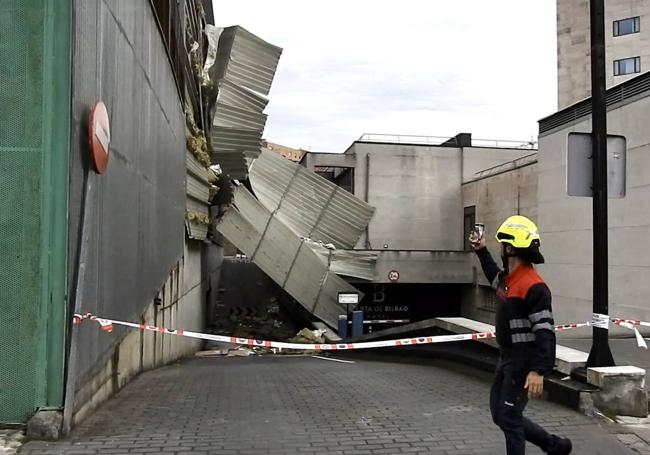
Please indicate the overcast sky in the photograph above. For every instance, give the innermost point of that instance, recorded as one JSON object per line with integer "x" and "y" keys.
{"x": 424, "y": 67}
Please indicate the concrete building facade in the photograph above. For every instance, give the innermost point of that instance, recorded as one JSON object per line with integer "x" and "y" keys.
{"x": 627, "y": 40}
{"x": 419, "y": 227}
{"x": 416, "y": 188}
{"x": 566, "y": 222}
{"x": 502, "y": 191}
{"x": 538, "y": 189}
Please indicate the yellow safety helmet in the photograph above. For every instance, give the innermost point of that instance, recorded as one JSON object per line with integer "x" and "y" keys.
{"x": 518, "y": 231}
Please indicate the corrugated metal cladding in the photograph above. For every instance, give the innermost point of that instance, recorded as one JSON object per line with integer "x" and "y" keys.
{"x": 283, "y": 256}
{"x": 198, "y": 199}
{"x": 198, "y": 65}
{"x": 310, "y": 205}
{"x": 296, "y": 209}
{"x": 357, "y": 264}
{"x": 136, "y": 226}
{"x": 244, "y": 69}
{"x": 247, "y": 60}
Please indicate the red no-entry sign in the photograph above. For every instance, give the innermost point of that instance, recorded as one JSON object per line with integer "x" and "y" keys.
{"x": 99, "y": 137}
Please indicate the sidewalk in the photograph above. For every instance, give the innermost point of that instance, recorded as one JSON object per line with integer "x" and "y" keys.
{"x": 304, "y": 405}
{"x": 10, "y": 441}
{"x": 624, "y": 350}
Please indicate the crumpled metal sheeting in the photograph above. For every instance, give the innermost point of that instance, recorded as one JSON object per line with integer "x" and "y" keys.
{"x": 233, "y": 164}
{"x": 283, "y": 256}
{"x": 354, "y": 263}
{"x": 312, "y": 206}
{"x": 212, "y": 34}
{"x": 194, "y": 229}
{"x": 234, "y": 117}
{"x": 358, "y": 264}
{"x": 247, "y": 60}
{"x": 327, "y": 307}
{"x": 233, "y": 140}
{"x": 197, "y": 189}
{"x": 245, "y": 70}
{"x": 233, "y": 95}
{"x": 236, "y": 164}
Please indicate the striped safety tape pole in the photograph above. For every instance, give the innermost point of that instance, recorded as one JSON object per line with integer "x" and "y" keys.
{"x": 107, "y": 325}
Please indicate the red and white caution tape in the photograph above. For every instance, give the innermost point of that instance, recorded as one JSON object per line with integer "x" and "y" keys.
{"x": 107, "y": 325}
{"x": 631, "y": 324}
{"x": 631, "y": 321}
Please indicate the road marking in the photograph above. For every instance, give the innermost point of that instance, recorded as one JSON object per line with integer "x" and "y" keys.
{"x": 330, "y": 359}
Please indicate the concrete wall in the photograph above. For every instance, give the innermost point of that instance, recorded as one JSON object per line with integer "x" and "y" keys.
{"x": 313, "y": 160}
{"x": 478, "y": 302}
{"x": 476, "y": 159}
{"x": 500, "y": 196}
{"x": 573, "y": 45}
{"x": 496, "y": 198}
{"x": 565, "y": 223}
{"x": 416, "y": 190}
{"x": 451, "y": 267}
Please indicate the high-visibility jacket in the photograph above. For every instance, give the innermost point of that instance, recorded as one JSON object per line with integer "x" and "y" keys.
{"x": 525, "y": 328}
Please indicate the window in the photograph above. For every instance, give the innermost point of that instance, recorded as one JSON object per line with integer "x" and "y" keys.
{"x": 627, "y": 26}
{"x": 627, "y": 66}
{"x": 469, "y": 220}
{"x": 340, "y": 176}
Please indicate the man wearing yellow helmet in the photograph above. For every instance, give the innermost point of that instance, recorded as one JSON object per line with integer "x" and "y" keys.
{"x": 525, "y": 332}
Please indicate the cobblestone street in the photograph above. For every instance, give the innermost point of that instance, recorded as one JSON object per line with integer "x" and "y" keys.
{"x": 303, "y": 405}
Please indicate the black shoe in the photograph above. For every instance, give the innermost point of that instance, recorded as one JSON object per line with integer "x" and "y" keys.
{"x": 563, "y": 446}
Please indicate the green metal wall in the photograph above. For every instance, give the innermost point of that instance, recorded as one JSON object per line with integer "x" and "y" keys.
{"x": 34, "y": 132}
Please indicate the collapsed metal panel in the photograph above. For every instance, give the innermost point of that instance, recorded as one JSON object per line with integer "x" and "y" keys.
{"x": 283, "y": 256}
{"x": 244, "y": 70}
{"x": 247, "y": 60}
{"x": 234, "y": 165}
{"x": 198, "y": 187}
{"x": 235, "y": 117}
{"x": 232, "y": 140}
{"x": 358, "y": 264}
{"x": 310, "y": 205}
{"x": 234, "y": 95}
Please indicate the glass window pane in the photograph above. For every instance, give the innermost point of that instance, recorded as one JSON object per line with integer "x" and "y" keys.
{"x": 626, "y": 26}
{"x": 627, "y": 66}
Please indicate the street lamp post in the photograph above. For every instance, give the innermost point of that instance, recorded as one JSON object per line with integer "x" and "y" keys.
{"x": 600, "y": 354}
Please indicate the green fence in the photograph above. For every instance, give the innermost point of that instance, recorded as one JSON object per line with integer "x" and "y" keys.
{"x": 34, "y": 131}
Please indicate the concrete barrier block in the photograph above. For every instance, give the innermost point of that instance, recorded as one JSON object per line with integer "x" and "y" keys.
{"x": 45, "y": 425}
{"x": 622, "y": 390}
{"x": 568, "y": 359}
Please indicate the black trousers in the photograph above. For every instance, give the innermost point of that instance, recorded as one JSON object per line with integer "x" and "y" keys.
{"x": 508, "y": 399}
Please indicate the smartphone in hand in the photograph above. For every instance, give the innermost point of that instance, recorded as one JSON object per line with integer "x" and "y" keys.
{"x": 477, "y": 235}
